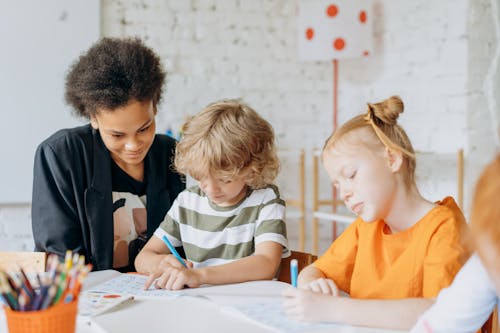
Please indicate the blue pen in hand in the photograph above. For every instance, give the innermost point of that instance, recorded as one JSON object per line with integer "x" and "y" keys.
{"x": 173, "y": 251}
{"x": 294, "y": 272}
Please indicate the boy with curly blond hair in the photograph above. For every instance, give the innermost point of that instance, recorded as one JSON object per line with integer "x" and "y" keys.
{"x": 231, "y": 225}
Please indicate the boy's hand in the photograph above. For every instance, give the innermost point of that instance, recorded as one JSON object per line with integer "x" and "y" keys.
{"x": 170, "y": 260}
{"x": 305, "y": 305}
{"x": 322, "y": 285}
{"x": 174, "y": 278}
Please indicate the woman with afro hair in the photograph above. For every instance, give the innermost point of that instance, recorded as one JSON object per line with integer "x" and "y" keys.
{"x": 103, "y": 188}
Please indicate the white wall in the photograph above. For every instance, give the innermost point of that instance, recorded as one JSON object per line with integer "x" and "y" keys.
{"x": 482, "y": 86}
{"x": 435, "y": 54}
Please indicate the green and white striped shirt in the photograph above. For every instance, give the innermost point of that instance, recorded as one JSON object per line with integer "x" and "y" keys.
{"x": 213, "y": 235}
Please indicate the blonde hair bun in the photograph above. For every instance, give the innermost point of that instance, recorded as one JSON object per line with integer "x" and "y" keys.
{"x": 387, "y": 111}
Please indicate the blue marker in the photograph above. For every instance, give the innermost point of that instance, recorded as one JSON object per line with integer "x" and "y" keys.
{"x": 173, "y": 251}
{"x": 170, "y": 133}
{"x": 294, "y": 272}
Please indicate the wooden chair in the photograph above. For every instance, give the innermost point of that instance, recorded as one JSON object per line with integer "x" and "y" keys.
{"x": 491, "y": 325}
{"x": 298, "y": 203}
{"x": 318, "y": 203}
{"x": 28, "y": 261}
{"x": 304, "y": 259}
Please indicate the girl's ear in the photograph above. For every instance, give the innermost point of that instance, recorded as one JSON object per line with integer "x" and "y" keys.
{"x": 94, "y": 123}
{"x": 394, "y": 159}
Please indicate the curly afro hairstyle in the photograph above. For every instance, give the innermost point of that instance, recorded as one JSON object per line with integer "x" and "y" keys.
{"x": 112, "y": 73}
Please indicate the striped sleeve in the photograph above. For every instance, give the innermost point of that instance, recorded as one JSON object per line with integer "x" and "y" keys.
{"x": 170, "y": 227}
{"x": 270, "y": 225}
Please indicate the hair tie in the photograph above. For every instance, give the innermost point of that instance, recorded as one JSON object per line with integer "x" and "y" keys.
{"x": 386, "y": 141}
{"x": 369, "y": 113}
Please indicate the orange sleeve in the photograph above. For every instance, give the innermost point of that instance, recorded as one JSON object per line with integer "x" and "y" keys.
{"x": 337, "y": 263}
{"x": 446, "y": 254}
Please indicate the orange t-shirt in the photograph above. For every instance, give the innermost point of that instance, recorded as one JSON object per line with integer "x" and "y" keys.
{"x": 367, "y": 262}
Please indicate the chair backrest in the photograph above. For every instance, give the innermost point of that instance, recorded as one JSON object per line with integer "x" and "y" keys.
{"x": 304, "y": 259}
{"x": 28, "y": 261}
{"x": 317, "y": 202}
{"x": 293, "y": 161}
{"x": 491, "y": 325}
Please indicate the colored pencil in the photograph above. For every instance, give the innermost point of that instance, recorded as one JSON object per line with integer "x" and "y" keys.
{"x": 173, "y": 250}
{"x": 61, "y": 282}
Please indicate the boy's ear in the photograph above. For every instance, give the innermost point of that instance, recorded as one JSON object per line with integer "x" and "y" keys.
{"x": 94, "y": 123}
{"x": 394, "y": 159}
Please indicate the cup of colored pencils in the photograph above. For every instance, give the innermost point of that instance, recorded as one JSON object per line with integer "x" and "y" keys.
{"x": 47, "y": 303}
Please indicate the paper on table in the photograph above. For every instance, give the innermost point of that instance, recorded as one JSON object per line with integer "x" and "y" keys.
{"x": 258, "y": 302}
{"x": 93, "y": 303}
{"x": 240, "y": 293}
{"x": 132, "y": 284}
{"x": 98, "y": 277}
{"x": 270, "y": 314}
{"x": 248, "y": 289}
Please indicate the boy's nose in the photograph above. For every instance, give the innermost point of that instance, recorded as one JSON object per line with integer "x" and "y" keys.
{"x": 209, "y": 187}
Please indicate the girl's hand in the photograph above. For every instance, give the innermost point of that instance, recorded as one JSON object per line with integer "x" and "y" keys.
{"x": 323, "y": 286}
{"x": 305, "y": 305}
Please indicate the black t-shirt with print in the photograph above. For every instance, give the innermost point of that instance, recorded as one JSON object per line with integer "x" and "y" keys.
{"x": 129, "y": 218}
{"x": 122, "y": 182}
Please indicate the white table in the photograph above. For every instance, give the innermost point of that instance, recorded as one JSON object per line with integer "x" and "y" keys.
{"x": 206, "y": 309}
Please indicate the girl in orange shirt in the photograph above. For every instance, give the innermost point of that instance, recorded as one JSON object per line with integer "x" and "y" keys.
{"x": 402, "y": 249}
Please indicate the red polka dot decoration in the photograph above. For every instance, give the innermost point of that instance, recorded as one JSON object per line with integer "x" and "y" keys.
{"x": 338, "y": 44}
{"x": 332, "y": 10}
{"x": 335, "y": 29}
{"x": 362, "y": 16}
{"x": 309, "y": 33}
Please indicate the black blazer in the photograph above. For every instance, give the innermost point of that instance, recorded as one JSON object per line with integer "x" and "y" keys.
{"x": 72, "y": 204}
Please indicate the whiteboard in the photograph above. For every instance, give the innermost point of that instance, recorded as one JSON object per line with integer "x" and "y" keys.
{"x": 39, "y": 41}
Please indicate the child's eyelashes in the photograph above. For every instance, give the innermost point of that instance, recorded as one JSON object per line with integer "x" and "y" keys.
{"x": 348, "y": 172}
{"x": 345, "y": 176}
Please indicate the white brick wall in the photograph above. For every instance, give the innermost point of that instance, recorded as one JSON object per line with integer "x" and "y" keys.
{"x": 483, "y": 84}
{"x": 15, "y": 228}
{"x": 434, "y": 54}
